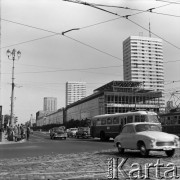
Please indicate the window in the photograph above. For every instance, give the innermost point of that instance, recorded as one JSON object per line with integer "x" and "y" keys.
{"x": 137, "y": 118}
{"x": 98, "y": 122}
{"x": 109, "y": 121}
{"x": 129, "y": 119}
{"x": 128, "y": 129}
{"x": 103, "y": 121}
{"x": 143, "y": 118}
{"x": 124, "y": 130}
{"x": 115, "y": 120}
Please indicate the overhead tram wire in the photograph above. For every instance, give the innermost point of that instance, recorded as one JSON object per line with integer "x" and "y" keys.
{"x": 143, "y": 11}
{"x": 58, "y": 70}
{"x": 32, "y": 40}
{"x": 171, "y": 2}
{"x": 55, "y": 33}
{"x": 92, "y": 47}
{"x": 126, "y": 17}
{"x": 154, "y": 34}
{"x": 62, "y": 34}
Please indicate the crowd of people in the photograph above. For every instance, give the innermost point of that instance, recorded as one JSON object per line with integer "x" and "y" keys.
{"x": 18, "y": 132}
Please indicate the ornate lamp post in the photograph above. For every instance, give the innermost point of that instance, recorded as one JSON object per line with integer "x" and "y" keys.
{"x": 13, "y": 55}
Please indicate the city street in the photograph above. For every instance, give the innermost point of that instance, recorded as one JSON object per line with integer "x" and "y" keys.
{"x": 40, "y": 144}
{"x": 43, "y": 158}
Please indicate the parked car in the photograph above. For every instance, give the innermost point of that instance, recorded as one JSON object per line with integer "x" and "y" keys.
{"x": 72, "y": 132}
{"x": 83, "y": 132}
{"x": 58, "y": 132}
{"x": 146, "y": 137}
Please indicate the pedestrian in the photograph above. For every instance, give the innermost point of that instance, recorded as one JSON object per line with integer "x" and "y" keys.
{"x": 15, "y": 133}
{"x": 27, "y": 133}
{"x": 22, "y": 131}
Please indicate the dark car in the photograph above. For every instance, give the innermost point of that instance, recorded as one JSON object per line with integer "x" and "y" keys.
{"x": 58, "y": 132}
{"x": 83, "y": 132}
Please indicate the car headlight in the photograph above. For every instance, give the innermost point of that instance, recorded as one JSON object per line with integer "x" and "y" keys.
{"x": 152, "y": 140}
{"x": 176, "y": 141}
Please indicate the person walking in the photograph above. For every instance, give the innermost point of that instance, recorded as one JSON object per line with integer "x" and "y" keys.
{"x": 22, "y": 131}
{"x": 27, "y": 133}
{"x": 15, "y": 133}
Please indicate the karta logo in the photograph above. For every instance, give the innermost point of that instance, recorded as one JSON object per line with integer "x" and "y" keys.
{"x": 118, "y": 170}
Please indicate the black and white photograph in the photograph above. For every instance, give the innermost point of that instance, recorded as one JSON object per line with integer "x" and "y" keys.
{"x": 89, "y": 89}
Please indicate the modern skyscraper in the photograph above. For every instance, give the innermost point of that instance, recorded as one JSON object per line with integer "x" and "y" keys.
{"x": 50, "y": 104}
{"x": 75, "y": 91}
{"x": 143, "y": 61}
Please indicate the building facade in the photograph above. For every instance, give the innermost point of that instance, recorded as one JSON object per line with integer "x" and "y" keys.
{"x": 143, "y": 62}
{"x": 114, "y": 97}
{"x": 75, "y": 91}
{"x": 50, "y": 104}
{"x": 56, "y": 117}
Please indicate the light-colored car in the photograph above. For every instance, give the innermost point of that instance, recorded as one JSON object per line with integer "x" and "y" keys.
{"x": 58, "y": 132}
{"x": 72, "y": 132}
{"x": 146, "y": 137}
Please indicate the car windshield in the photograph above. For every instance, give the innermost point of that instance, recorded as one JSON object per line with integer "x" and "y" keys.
{"x": 147, "y": 127}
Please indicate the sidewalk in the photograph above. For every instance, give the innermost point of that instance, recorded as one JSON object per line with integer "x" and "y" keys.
{"x": 5, "y": 141}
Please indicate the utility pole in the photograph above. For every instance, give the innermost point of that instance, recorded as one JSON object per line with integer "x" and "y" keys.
{"x": 13, "y": 55}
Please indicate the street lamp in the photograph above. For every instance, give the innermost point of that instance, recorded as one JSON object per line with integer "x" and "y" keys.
{"x": 13, "y": 55}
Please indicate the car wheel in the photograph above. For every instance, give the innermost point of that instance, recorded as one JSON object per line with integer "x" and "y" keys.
{"x": 120, "y": 149}
{"x": 170, "y": 153}
{"x": 144, "y": 152}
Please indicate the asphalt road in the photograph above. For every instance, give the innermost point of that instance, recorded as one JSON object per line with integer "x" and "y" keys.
{"x": 40, "y": 144}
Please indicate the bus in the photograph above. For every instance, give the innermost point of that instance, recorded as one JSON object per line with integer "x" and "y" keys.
{"x": 109, "y": 125}
{"x": 170, "y": 122}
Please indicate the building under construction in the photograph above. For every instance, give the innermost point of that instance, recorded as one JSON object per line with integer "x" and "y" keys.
{"x": 114, "y": 97}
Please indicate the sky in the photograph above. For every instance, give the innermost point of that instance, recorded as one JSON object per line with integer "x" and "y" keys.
{"x": 92, "y": 54}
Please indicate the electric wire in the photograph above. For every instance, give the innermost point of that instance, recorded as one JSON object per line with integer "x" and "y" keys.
{"x": 148, "y": 10}
{"x": 170, "y": 2}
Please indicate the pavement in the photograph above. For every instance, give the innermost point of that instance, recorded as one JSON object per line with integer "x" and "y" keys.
{"x": 5, "y": 141}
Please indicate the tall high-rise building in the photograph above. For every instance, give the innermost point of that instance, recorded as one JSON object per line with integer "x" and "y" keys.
{"x": 75, "y": 91}
{"x": 143, "y": 61}
{"x": 50, "y": 104}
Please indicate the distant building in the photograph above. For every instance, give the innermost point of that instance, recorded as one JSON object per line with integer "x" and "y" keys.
{"x": 50, "y": 104}
{"x": 143, "y": 62}
{"x": 75, "y": 91}
{"x": 57, "y": 117}
{"x": 32, "y": 121}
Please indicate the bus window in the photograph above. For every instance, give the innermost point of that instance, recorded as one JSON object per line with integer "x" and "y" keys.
{"x": 179, "y": 120}
{"x": 175, "y": 119}
{"x": 137, "y": 118}
{"x": 129, "y": 119}
{"x": 125, "y": 120}
{"x": 121, "y": 120}
{"x": 109, "y": 121}
{"x": 103, "y": 121}
{"x": 143, "y": 118}
{"x": 115, "y": 120}
{"x": 168, "y": 120}
{"x": 98, "y": 122}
